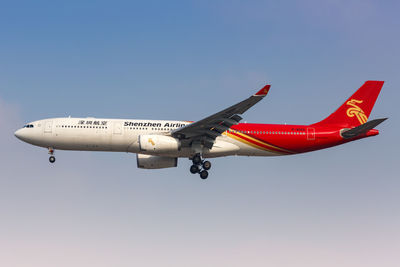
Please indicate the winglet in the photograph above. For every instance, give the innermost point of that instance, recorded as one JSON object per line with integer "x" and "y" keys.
{"x": 263, "y": 91}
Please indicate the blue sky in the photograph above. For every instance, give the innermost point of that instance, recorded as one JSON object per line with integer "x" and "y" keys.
{"x": 186, "y": 60}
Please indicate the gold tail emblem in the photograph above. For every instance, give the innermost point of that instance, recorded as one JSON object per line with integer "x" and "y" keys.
{"x": 356, "y": 111}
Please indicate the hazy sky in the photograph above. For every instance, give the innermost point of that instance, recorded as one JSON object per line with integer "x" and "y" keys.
{"x": 186, "y": 60}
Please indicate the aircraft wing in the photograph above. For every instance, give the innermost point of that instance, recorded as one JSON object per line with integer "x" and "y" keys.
{"x": 206, "y": 130}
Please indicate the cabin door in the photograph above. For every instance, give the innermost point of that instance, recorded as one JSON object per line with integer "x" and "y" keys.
{"x": 117, "y": 128}
{"x": 48, "y": 127}
{"x": 310, "y": 133}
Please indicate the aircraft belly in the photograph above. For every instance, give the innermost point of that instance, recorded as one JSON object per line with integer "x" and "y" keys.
{"x": 250, "y": 150}
{"x": 221, "y": 149}
{"x": 92, "y": 143}
{"x": 99, "y": 140}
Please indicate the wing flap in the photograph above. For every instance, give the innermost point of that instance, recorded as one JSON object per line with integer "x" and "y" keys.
{"x": 213, "y": 126}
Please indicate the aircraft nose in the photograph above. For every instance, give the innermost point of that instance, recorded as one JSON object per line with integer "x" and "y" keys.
{"x": 18, "y": 134}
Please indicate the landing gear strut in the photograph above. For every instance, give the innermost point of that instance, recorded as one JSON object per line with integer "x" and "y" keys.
{"x": 200, "y": 166}
{"x": 52, "y": 159}
{"x": 196, "y": 159}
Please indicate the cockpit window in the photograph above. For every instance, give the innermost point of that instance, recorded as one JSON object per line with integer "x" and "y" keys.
{"x": 28, "y": 126}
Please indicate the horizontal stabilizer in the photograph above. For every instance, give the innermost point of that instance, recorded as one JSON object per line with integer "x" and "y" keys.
{"x": 363, "y": 128}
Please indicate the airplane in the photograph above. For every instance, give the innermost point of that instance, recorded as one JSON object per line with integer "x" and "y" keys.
{"x": 159, "y": 143}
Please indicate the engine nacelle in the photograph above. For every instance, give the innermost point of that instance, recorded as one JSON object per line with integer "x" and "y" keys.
{"x": 155, "y": 162}
{"x": 158, "y": 143}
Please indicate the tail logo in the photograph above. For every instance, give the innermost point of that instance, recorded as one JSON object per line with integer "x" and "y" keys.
{"x": 355, "y": 110}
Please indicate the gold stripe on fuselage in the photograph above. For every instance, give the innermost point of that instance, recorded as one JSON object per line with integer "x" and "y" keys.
{"x": 242, "y": 140}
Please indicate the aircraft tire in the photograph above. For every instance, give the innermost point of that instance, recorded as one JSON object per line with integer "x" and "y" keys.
{"x": 52, "y": 159}
{"x": 206, "y": 165}
{"x": 204, "y": 174}
{"x": 194, "y": 169}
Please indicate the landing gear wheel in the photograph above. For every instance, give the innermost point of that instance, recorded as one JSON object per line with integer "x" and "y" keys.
{"x": 52, "y": 159}
{"x": 204, "y": 174}
{"x": 206, "y": 165}
{"x": 194, "y": 169}
{"x": 196, "y": 159}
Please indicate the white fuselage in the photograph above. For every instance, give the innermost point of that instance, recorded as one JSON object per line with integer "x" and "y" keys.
{"x": 120, "y": 135}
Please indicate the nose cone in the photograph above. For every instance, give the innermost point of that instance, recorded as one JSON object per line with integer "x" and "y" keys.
{"x": 20, "y": 134}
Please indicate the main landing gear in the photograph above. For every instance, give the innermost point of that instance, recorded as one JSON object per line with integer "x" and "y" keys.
{"x": 52, "y": 159}
{"x": 200, "y": 166}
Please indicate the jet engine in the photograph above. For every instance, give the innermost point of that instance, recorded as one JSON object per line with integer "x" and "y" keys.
{"x": 158, "y": 143}
{"x": 155, "y": 162}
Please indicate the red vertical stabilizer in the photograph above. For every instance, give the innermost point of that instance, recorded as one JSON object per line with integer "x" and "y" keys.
{"x": 355, "y": 111}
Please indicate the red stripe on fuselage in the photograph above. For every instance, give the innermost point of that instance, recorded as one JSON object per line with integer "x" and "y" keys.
{"x": 288, "y": 139}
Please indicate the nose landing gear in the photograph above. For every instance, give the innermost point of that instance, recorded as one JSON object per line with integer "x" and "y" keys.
{"x": 52, "y": 159}
{"x": 200, "y": 166}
